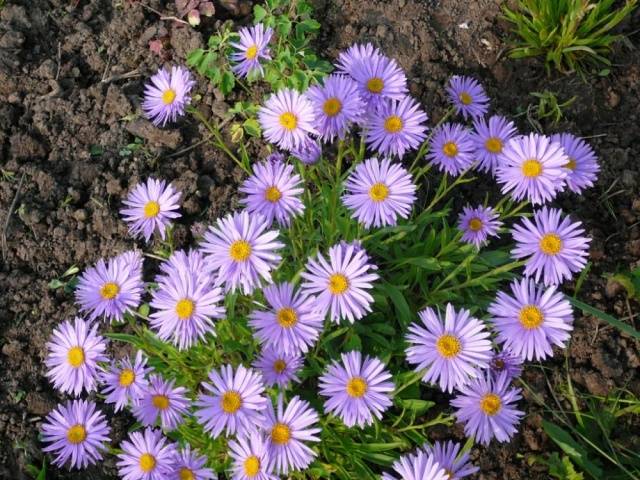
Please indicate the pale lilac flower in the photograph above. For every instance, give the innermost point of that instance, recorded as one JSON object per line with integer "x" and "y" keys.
{"x": 583, "y": 163}
{"x": 278, "y": 368}
{"x": 250, "y": 457}
{"x": 146, "y": 455}
{"x": 252, "y": 47}
{"x": 161, "y": 399}
{"x": 166, "y": 95}
{"x": 417, "y": 466}
{"x": 452, "y": 149}
{"x": 287, "y": 118}
{"x": 478, "y": 224}
{"x": 489, "y": 138}
{"x": 467, "y": 96}
{"x": 125, "y": 382}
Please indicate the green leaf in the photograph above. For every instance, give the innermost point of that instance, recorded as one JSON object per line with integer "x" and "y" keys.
{"x": 252, "y": 127}
{"x": 258, "y": 13}
{"x": 195, "y": 57}
{"x": 628, "y": 329}
{"x": 227, "y": 83}
{"x": 573, "y": 449}
{"x": 417, "y": 406}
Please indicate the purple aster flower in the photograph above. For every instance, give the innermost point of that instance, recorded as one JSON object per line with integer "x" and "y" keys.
{"x": 357, "y": 388}
{"x": 277, "y": 367}
{"x": 273, "y": 191}
{"x": 110, "y": 289}
{"x": 287, "y": 118}
{"x": 236, "y": 402}
{"x": 252, "y": 47}
{"x": 477, "y": 224}
{"x": 487, "y": 409}
{"x": 150, "y": 207}
{"x": 74, "y": 352}
{"x": 505, "y": 361}
{"x": 167, "y": 94}
{"x": 125, "y": 381}
{"x": 292, "y": 324}
{"x": 186, "y": 301}
{"x": 582, "y": 165}
{"x": 77, "y": 432}
{"x": 379, "y": 79}
{"x": 342, "y": 284}
{"x": 452, "y": 149}
{"x": 555, "y": 247}
{"x": 532, "y": 320}
{"x": 337, "y": 104}
{"x": 417, "y": 466}
{"x": 451, "y": 350}
{"x": 188, "y": 465}
{"x": 348, "y": 58}
{"x": 146, "y": 455}
{"x": 309, "y": 152}
{"x": 532, "y": 167}
{"x": 251, "y": 458}
{"x": 396, "y": 127}
{"x": 275, "y": 157}
{"x": 447, "y": 455}
{"x": 288, "y": 428}
{"x": 161, "y": 399}
{"x": 379, "y": 192}
{"x": 489, "y": 139}
{"x": 467, "y": 96}
{"x": 241, "y": 250}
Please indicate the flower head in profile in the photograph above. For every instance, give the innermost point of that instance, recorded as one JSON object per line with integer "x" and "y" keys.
{"x": 188, "y": 465}
{"x": 250, "y": 456}
{"x": 161, "y": 399}
{"x": 452, "y": 149}
{"x": 286, "y": 118}
{"x": 146, "y": 455}
{"x": 489, "y": 138}
{"x": 76, "y": 432}
{"x": 309, "y": 152}
{"x": 379, "y": 79}
{"x": 505, "y": 361}
{"x": 278, "y": 368}
{"x": 417, "y": 466}
{"x": 167, "y": 94}
{"x": 150, "y": 207}
{"x": 478, "y": 224}
{"x": 451, "y": 350}
{"x": 467, "y": 96}
{"x": 125, "y": 381}
{"x": 447, "y": 455}
{"x": 252, "y": 47}
{"x": 583, "y": 163}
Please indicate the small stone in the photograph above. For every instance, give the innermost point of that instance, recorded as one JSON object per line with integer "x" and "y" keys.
{"x": 629, "y": 178}
{"x": 613, "y": 99}
{"x": 80, "y": 215}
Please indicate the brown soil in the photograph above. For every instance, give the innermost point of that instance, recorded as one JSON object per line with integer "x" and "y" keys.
{"x": 71, "y": 75}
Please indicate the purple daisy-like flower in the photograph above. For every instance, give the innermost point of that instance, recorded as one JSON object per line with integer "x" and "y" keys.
{"x": 292, "y": 324}
{"x": 162, "y": 400}
{"x": 452, "y": 149}
{"x": 489, "y": 138}
{"x": 125, "y": 381}
{"x": 188, "y": 465}
{"x": 278, "y": 368}
{"x": 236, "y": 402}
{"x": 379, "y": 78}
{"x": 477, "y": 224}
{"x": 251, "y": 458}
{"x": 451, "y": 350}
{"x": 167, "y": 94}
{"x": 275, "y": 157}
{"x": 150, "y": 207}
{"x": 348, "y": 58}
{"x": 74, "y": 352}
{"x": 531, "y": 320}
{"x": 288, "y": 428}
{"x": 555, "y": 248}
{"x": 241, "y": 250}
{"x": 505, "y": 361}
{"x": 252, "y": 47}
{"x": 186, "y": 301}
{"x": 532, "y": 167}
{"x": 417, "y": 466}
{"x": 342, "y": 284}
{"x": 76, "y": 432}
{"x": 337, "y": 104}
{"x": 146, "y": 455}
{"x": 486, "y": 407}
{"x": 396, "y": 126}
{"x": 274, "y": 191}
{"x": 583, "y": 163}
{"x": 447, "y": 455}
{"x": 358, "y": 389}
{"x": 467, "y": 96}
{"x": 309, "y": 152}
{"x": 286, "y": 118}
{"x": 379, "y": 192}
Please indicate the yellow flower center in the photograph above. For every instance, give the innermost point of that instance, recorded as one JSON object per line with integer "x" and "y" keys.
{"x": 375, "y": 85}
{"x": 109, "y": 290}
{"x": 252, "y": 466}
{"x": 280, "y": 434}
{"x": 338, "y": 284}
{"x": 571, "y": 164}
{"x": 161, "y": 402}
{"x": 252, "y": 52}
{"x": 240, "y": 250}
{"x": 127, "y": 376}
{"x": 450, "y": 149}
{"x": 357, "y": 387}
{"x": 393, "y": 124}
{"x": 332, "y": 107}
{"x": 448, "y": 345}
{"x": 75, "y": 356}
{"x": 475, "y": 224}
{"x": 231, "y": 402}
{"x": 185, "y": 308}
{"x": 490, "y": 404}
{"x": 465, "y": 98}
{"x": 286, "y": 317}
{"x": 530, "y": 317}
{"x": 531, "y": 168}
{"x": 279, "y": 365}
{"x": 76, "y": 434}
{"x": 147, "y": 462}
{"x": 288, "y": 121}
{"x": 168, "y": 96}
{"x": 151, "y": 209}
{"x": 550, "y": 244}
{"x": 186, "y": 474}
{"x": 378, "y": 192}
{"x": 272, "y": 194}
{"x": 494, "y": 145}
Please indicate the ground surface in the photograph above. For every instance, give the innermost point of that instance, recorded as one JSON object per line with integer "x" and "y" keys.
{"x": 71, "y": 78}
